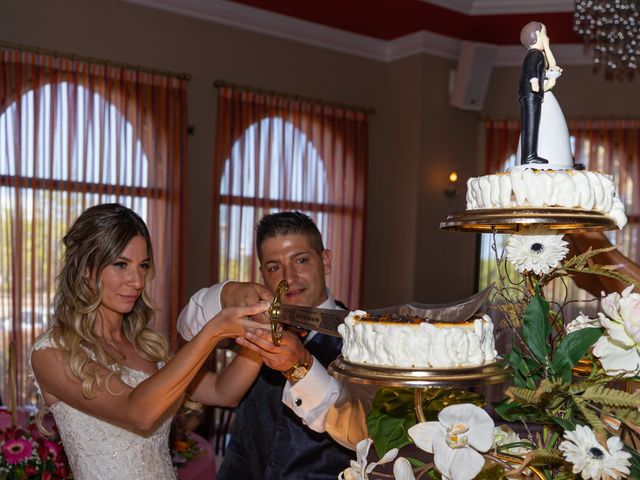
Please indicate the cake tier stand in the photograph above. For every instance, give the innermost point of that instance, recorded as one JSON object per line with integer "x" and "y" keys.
{"x": 418, "y": 378}
{"x": 512, "y": 220}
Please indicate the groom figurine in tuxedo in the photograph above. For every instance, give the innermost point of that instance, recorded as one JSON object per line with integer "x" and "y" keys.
{"x": 531, "y": 90}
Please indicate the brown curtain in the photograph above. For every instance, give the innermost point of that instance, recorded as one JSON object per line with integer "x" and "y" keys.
{"x": 74, "y": 134}
{"x": 278, "y": 153}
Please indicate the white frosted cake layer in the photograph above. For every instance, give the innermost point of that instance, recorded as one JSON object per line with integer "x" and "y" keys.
{"x": 547, "y": 188}
{"x": 379, "y": 343}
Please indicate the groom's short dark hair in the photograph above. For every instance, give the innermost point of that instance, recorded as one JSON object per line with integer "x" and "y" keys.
{"x": 288, "y": 223}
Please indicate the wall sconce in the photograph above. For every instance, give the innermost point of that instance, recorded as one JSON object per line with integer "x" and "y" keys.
{"x": 451, "y": 189}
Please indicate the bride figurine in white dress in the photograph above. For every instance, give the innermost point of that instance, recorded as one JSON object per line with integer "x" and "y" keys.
{"x": 104, "y": 374}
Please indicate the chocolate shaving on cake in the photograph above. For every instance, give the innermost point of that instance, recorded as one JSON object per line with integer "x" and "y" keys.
{"x": 393, "y": 318}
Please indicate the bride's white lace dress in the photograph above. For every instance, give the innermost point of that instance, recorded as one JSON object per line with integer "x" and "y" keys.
{"x": 102, "y": 451}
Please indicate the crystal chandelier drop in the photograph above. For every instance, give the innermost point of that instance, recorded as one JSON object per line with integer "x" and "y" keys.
{"x": 611, "y": 31}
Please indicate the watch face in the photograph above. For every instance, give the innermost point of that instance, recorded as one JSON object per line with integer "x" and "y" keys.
{"x": 298, "y": 371}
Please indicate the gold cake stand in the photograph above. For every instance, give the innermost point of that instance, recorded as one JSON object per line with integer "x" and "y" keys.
{"x": 511, "y": 220}
{"x": 418, "y": 378}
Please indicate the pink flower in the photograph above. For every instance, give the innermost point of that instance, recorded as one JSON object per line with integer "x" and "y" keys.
{"x": 49, "y": 449}
{"x": 61, "y": 471}
{"x": 16, "y": 450}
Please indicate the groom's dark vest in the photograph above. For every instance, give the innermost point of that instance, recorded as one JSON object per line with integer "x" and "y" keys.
{"x": 269, "y": 442}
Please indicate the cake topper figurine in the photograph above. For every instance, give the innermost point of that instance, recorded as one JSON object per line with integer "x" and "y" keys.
{"x": 534, "y": 81}
{"x": 544, "y": 142}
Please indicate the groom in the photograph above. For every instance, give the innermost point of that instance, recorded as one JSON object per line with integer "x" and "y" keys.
{"x": 268, "y": 440}
{"x": 531, "y": 90}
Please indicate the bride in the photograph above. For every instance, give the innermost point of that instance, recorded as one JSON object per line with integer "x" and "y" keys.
{"x": 104, "y": 374}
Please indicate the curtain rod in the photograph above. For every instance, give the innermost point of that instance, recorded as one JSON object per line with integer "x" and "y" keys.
{"x": 247, "y": 88}
{"x": 87, "y": 59}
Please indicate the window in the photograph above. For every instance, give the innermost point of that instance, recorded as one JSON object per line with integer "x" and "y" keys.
{"x": 73, "y": 135}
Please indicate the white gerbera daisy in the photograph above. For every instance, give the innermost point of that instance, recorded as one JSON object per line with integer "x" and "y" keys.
{"x": 538, "y": 250}
{"x": 590, "y": 459}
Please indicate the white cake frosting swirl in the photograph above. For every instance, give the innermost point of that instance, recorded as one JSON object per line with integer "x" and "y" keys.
{"x": 405, "y": 345}
{"x": 528, "y": 187}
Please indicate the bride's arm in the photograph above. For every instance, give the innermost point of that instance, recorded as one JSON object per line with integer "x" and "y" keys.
{"x": 227, "y": 388}
{"x": 141, "y": 407}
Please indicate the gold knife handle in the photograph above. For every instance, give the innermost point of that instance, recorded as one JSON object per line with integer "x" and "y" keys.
{"x": 274, "y": 313}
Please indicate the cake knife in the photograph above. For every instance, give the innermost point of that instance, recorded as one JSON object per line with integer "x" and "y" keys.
{"x": 326, "y": 321}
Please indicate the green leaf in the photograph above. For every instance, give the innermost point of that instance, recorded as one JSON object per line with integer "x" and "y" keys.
{"x": 610, "y": 396}
{"x": 515, "y": 412}
{"x": 415, "y": 462}
{"x": 390, "y": 417}
{"x": 435, "y": 399}
{"x": 628, "y": 415}
{"x": 564, "y": 423}
{"x": 523, "y": 368}
{"x": 495, "y": 472}
{"x": 571, "y": 349}
{"x": 635, "y": 462}
{"x": 536, "y": 328}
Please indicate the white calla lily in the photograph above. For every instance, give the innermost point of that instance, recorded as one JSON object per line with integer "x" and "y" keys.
{"x": 455, "y": 440}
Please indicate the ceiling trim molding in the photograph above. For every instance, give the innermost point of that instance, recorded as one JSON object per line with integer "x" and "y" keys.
{"x": 502, "y": 7}
{"x": 460, "y": 6}
{"x": 288, "y": 28}
{"x": 273, "y": 24}
{"x": 422, "y": 42}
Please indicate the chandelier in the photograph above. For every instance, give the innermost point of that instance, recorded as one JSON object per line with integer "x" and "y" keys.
{"x": 611, "y": 32}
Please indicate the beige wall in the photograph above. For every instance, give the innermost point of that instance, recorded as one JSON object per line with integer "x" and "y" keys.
{"x": 415, "y": 138}
{"x": 581, "y": 91}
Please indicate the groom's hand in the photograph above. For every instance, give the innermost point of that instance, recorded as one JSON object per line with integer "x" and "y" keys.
{"x": 278, "y": 357}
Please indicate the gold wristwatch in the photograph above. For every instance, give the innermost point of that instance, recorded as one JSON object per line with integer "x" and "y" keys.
{"x": 298, "y": 371}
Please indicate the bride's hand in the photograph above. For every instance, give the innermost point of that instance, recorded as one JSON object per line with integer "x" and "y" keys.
{"x": 233, "y": 322}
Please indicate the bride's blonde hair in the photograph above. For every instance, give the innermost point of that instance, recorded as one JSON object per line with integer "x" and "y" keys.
{"x": 95, "y": 240}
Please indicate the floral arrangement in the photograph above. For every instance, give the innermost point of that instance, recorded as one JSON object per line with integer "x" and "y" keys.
{"x": 182, "y": 444}
{"x": 571, "y": 399}
{"x": 26, "y": 453}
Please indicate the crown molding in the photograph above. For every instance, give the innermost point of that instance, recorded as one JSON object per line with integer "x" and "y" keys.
{"x": 281, "y": 26}
{"x": 422, "y": 42}
{"x": 502, "y": 7}
{"x": 273, "y": 24}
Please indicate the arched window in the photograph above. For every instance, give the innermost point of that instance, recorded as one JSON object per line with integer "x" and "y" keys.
{"x": 73, "y": 135}
{"x": 306, "y": 185}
